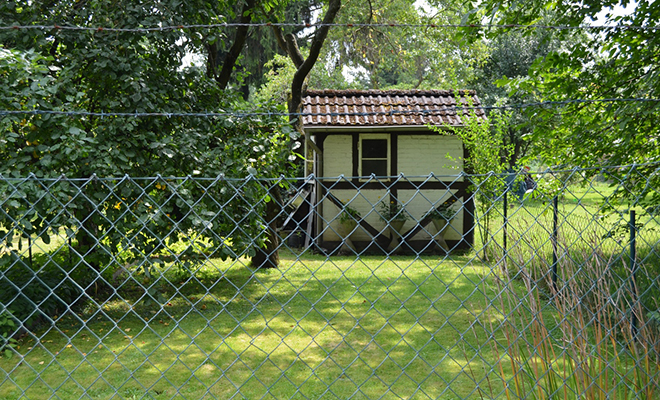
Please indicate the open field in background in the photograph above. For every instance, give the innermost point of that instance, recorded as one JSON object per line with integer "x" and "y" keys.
{"x": 341, "y": 327}
{"x": 585, "y": 229}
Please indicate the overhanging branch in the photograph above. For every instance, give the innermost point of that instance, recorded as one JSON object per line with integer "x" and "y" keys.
{"x": 314, "y": 52}
{"x": 237, "y": 47}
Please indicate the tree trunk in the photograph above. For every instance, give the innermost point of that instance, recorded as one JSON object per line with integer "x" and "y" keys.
{"x": 234, "y": 52}
{"x": 87, "y": 237}
{"x": 268, "y": 256}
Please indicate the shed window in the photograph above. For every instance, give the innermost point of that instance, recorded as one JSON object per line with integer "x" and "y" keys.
{"x": 374, "y": 155}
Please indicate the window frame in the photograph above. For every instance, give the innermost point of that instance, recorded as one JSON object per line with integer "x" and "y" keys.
{"x": 388, "y": 158}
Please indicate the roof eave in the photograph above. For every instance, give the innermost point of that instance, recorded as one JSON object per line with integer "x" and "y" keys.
{"x": 373, "y": 128}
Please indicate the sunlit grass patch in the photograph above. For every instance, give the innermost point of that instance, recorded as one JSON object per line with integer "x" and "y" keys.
{"x": 338, "y": 326}
{"x": 315, "y": 325}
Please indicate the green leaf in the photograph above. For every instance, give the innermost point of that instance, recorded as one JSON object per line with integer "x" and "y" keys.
{"x": 27, "y": 224}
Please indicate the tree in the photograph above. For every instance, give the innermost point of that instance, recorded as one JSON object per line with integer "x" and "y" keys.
{"x": 267, "y": 256}
{"x": 612, "y": 63}
{"x": 259, "y": 45}
{"x": 484, "y": 143}
{"x": 130, "y": 71}
{"x": 511, "y": 55}
{"x": 119, "y": 73}
{"x": 394, "y": 50}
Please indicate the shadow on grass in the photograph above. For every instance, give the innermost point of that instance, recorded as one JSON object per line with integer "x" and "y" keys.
{"x": 315, "y": 326}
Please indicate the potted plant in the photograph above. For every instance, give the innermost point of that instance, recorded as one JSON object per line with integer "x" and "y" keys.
{"x": 441, "y": 216}
{"x": 349, "y": 215}
{"x": 348, "y": 219}
{"x": 395, "y": 216}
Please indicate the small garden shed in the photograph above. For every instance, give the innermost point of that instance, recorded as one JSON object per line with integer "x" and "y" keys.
{"x": 376, "y": 150}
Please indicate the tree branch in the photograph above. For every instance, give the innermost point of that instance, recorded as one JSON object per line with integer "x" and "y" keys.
{"x": 212, "y": 60}
{"x": 293, "y": 50}
{"x": 315, "y": 49}
{"x": 237, "y": 47}
{"x": 303, "y": 69}
{"x": 289, "y": 45}
{"x": 279, "y": 36}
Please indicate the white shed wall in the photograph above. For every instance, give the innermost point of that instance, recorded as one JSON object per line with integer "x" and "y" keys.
{"x": 417, "y": 155}
{"x": 362, "y": 203}
{"x": 422, "y": 154}
{"x": 338, "y": 156}
{"x": 419, "y": 203}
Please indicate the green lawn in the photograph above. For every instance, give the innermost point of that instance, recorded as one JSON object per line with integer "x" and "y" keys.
{"x": 329, "y": 327}
{"x": 315, "y": 328}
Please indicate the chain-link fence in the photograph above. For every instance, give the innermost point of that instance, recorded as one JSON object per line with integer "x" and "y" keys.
{"x": 499, "y": 286}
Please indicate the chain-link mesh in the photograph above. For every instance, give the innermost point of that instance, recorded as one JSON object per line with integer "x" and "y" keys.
{"x": 498, "y": 286}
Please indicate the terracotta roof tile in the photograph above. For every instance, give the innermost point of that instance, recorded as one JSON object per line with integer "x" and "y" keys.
{"x": 386, "y": 107}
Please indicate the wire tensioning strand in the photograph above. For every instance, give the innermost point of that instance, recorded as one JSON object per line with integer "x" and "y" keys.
{"x": 425, "y": 112}
{"x": 540, "y": 172}
{"x": 166, "y": 28}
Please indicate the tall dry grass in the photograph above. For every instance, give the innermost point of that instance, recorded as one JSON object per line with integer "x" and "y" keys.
{"x": 585, "y": 337}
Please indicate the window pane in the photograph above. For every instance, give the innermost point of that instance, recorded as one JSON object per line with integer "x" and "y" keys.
{"x": 374, "y": 148}
{"x": 377, "y": 167}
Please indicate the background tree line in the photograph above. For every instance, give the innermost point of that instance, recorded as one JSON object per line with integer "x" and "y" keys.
{"x": 266, "y": 68}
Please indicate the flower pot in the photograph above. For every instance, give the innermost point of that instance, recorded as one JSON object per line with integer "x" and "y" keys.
{"x": 395, "y": 227}
{"x": 345, "y": 230}
{"x": 440, "y": 225}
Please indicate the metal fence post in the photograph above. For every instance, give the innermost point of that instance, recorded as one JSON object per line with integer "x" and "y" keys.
{"x": 555, "y": 211}
{"x": 506, "y": 223}
{"x": 29, "y": 239}
{"x": 633, "y": 273}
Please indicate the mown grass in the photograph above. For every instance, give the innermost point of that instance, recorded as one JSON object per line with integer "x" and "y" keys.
{"x": 329, "y": 327}
{"x": 314, "y": 328}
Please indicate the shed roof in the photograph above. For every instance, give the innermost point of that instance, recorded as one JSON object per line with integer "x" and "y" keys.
{"x": 387, "y": 108}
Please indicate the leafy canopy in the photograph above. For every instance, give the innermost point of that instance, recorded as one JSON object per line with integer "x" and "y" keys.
{"x": 613, "y": 63}
{"x": 104, "y": 72}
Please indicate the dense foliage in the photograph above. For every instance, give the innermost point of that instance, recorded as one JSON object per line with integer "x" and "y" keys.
{"x": 620, "y": 62}
{"x": 510, "y": 55}
{"x": 381, "y": 56}
{"x": 97, "y": 74}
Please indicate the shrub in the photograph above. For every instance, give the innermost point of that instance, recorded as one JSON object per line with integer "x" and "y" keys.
{"x": 34, "y": 295}
{"x": 7, "y": 327}
{"x": 348, "y": 214}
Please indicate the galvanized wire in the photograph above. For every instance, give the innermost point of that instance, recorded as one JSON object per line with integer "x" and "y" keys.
{"x": 169, "y": 28}
{"x": 428, "y": 111}
{"x": 138, "y": 287}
